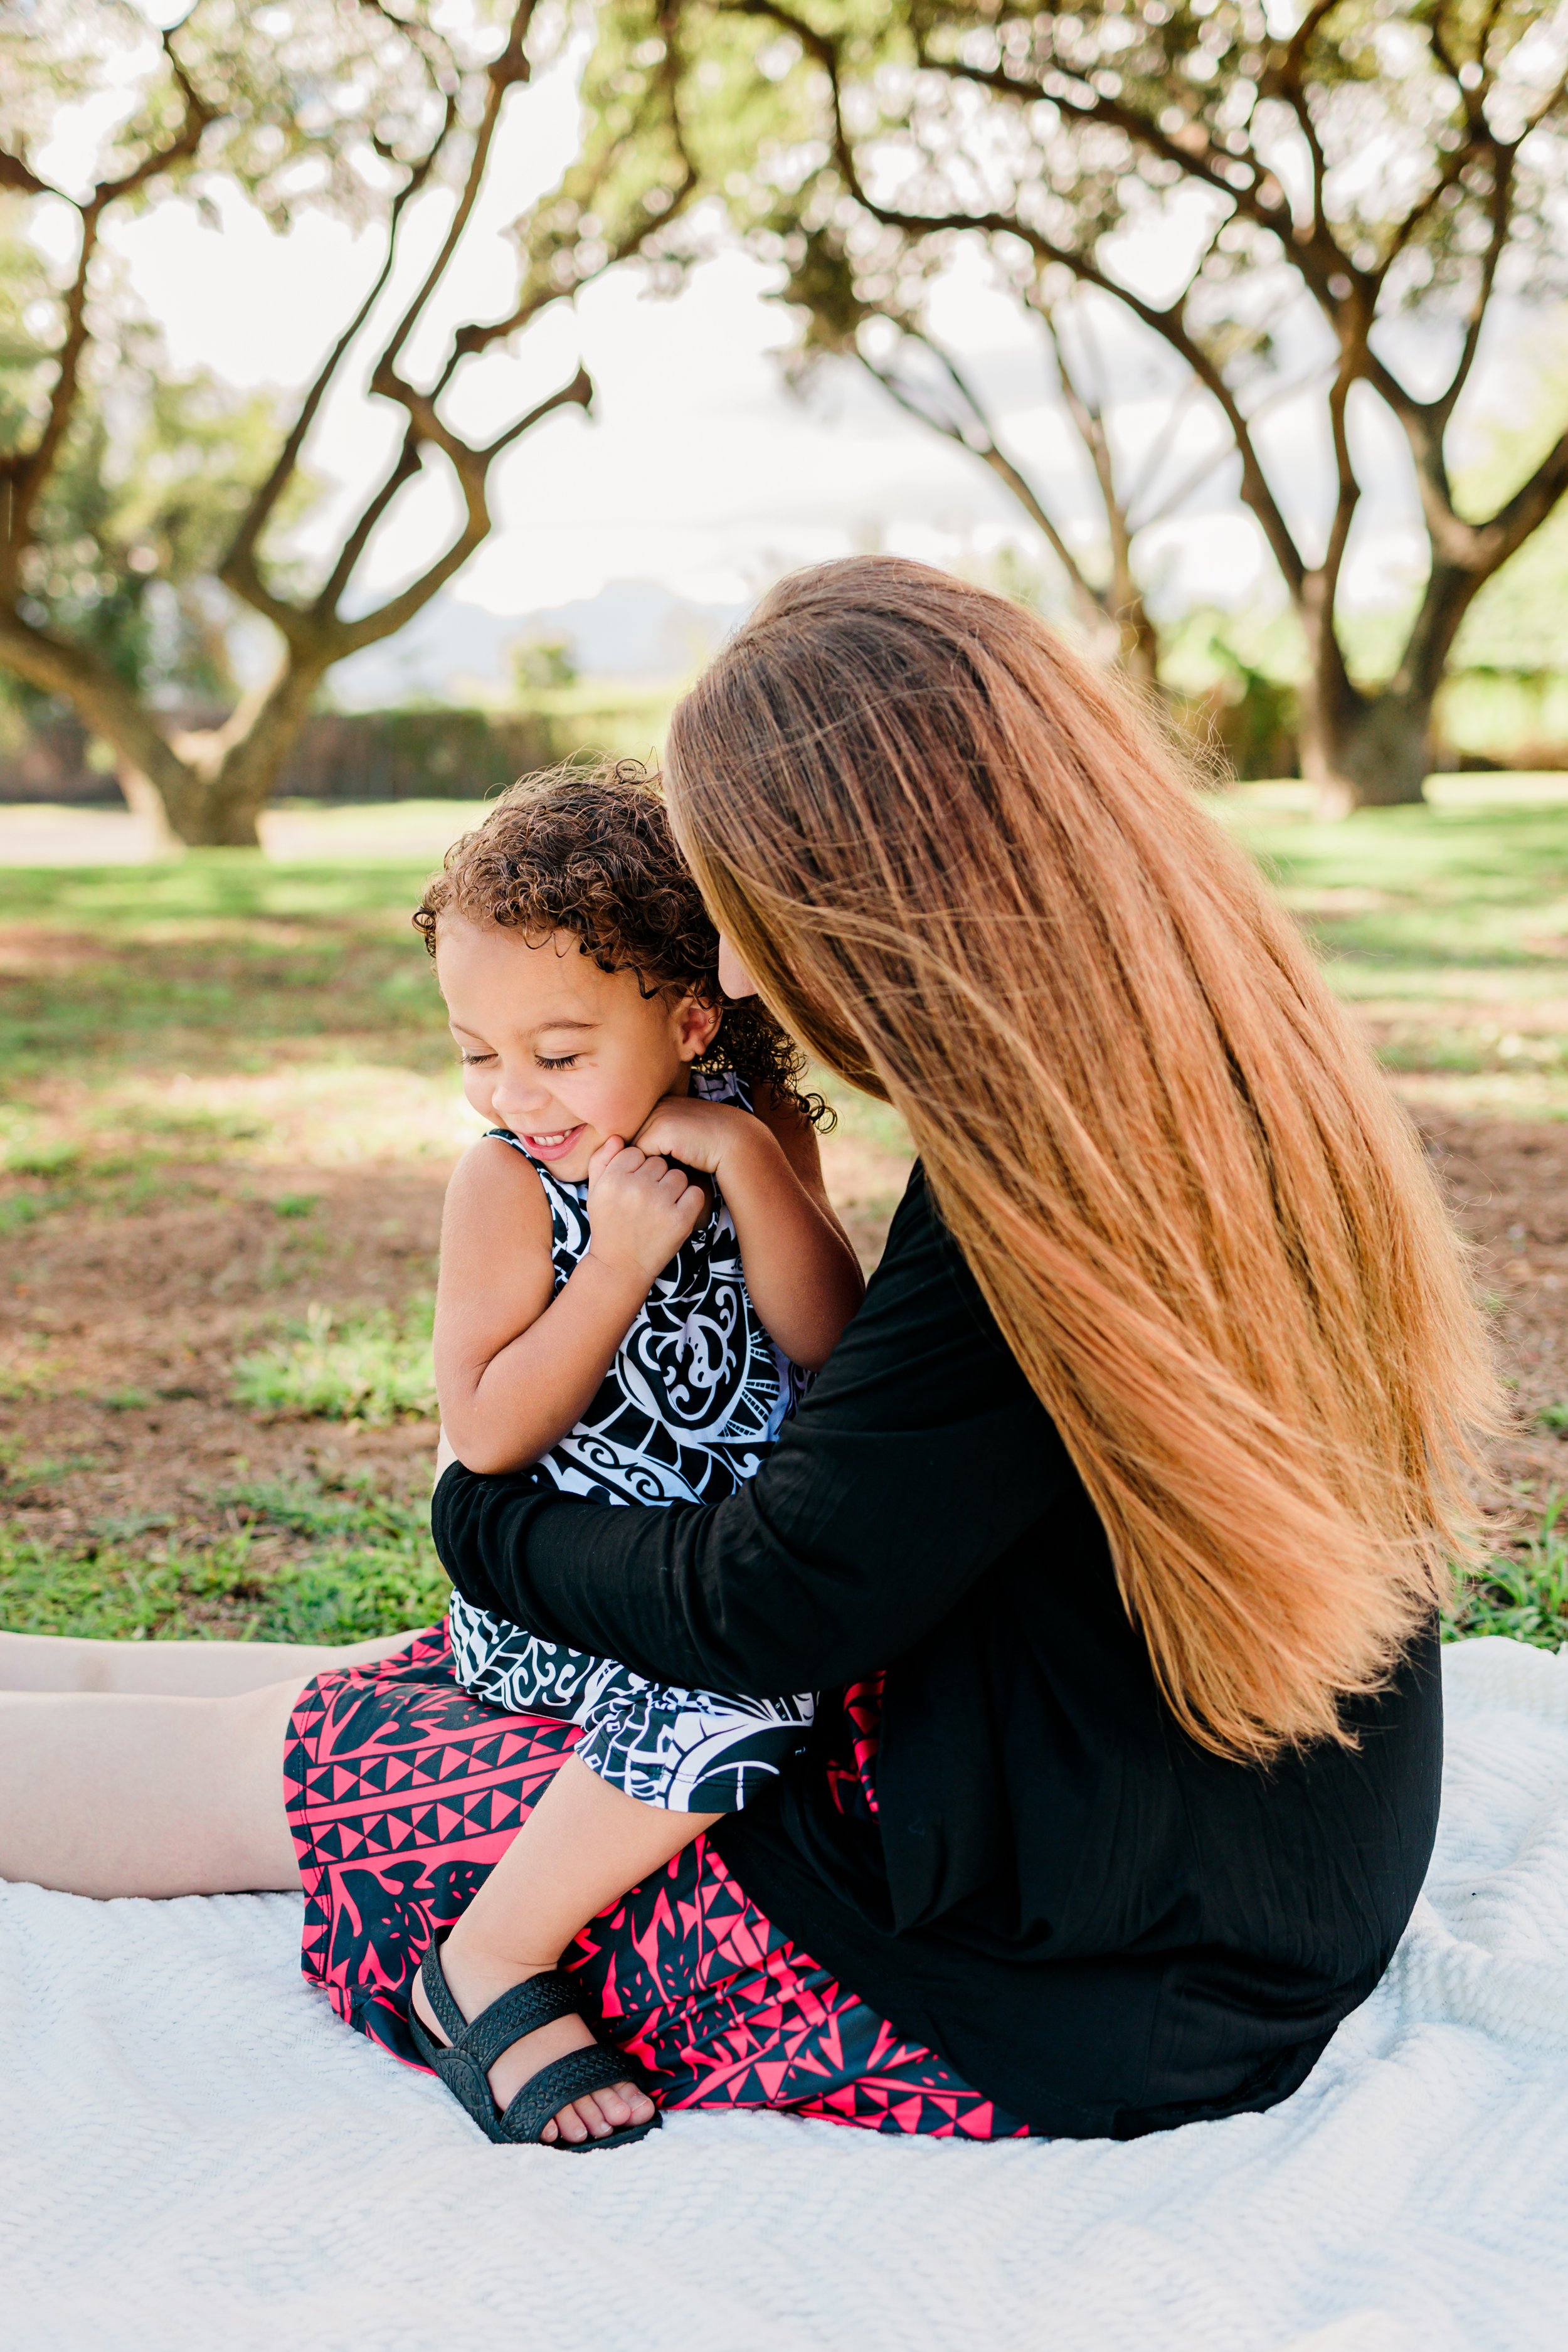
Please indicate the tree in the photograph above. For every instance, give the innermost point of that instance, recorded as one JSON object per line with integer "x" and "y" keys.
{"x": 860, "y": 299}
{"x": 343, "y": 103}
{"x": 131, "y": 525}
{"x": 1339, "y": 208}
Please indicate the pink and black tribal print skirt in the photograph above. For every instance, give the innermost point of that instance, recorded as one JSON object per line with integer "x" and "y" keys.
{"x": 403, "y": 1792}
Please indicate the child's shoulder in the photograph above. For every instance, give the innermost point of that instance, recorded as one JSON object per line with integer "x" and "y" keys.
{"x": 494, "y": 1176}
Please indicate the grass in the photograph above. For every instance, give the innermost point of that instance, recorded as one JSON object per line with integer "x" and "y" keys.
{"x": 1445, "y": 926}
{"x": 218, "y": 961}
{"x": 371, "y": 1368}
{"x": 361, "y": 1564}
{"x": 232, "y": 1012}
{"x": 1526, "y": 1597}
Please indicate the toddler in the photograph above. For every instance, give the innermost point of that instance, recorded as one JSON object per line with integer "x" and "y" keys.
{"x": 639, "y": 1270}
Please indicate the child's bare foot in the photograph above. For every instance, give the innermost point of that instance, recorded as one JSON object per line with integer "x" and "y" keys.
{"x": 477, "y": 1977}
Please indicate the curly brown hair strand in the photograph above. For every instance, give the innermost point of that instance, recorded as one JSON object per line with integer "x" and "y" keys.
{"x": 589, "y": 850}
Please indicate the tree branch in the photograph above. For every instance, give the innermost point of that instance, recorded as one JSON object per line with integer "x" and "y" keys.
{"x": 110, "y": 708}
{"x": 348, "y": 636}
{"x": 1347, "y": 488}
{"x": 1501, "y": 206}
{"x": 238, "y": 570}
{"x": 404, "y": 466}
{"x": 29, "y": 470}
{"x": 984, "y": 445}
{"x": 1167, "y": 323}
{"x": 1170, "y": 326}
{"x": 504, "y": 75}
{"x": 15, "y": 173}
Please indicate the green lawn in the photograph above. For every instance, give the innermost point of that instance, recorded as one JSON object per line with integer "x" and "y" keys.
{"x": 219, "y": 1021}
{"x": 1446, "y": 927}
{"x": 178, "y": 1039}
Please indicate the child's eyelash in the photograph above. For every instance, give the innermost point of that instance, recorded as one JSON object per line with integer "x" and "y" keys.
{"x": 560, "y": 1062}
{"x": 472, "y": 1060}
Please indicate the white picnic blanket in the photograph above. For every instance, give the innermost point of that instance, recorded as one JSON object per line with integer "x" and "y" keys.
{"x": 192, "y": 2152}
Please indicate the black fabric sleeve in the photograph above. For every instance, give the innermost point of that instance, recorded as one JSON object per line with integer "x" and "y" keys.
{"x": 919, "y": 1456}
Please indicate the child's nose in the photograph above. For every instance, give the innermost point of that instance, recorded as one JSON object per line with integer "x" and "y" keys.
{"x": 522, "y": 1096}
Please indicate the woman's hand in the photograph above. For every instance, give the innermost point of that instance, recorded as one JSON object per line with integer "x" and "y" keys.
{"x": 640, "y": 1210}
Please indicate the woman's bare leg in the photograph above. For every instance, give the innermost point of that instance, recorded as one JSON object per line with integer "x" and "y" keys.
{"x": 52, "y": 1662}
{"x": 152, "y": 1768}
{"x": 123, "y": 1794}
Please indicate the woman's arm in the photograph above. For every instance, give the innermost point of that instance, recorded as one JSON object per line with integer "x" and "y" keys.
{"x": 800, "y": 1269}
{"x": 516, "y": 1367}
{"x": 919, "y": 1458}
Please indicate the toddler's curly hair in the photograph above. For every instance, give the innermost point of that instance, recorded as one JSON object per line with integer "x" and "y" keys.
{"x": 589, "y": 850}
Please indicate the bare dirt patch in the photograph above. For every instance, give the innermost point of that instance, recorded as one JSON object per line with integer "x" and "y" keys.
{"x": 119, "y": 1333}
{"x": 1507, "y": 1181}
{"x": 119, "y": 1328}
{"x": 122, "y": 1321}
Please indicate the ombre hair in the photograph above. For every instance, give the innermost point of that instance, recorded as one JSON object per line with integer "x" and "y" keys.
{"x": 972, "y": 876}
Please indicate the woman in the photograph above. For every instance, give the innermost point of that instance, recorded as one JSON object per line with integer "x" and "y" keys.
{"x": 1116, "y": 1528}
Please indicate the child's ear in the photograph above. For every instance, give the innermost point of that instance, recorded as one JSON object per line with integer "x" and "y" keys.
{"x": 697, "y": 1020}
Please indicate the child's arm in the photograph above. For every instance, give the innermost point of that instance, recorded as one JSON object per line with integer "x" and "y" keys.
{"x": 516, "y": 1368}
{"x": 800, "y": 1269}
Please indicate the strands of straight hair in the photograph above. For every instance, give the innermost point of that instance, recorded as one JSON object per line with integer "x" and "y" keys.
{"x": 972, "y": 876}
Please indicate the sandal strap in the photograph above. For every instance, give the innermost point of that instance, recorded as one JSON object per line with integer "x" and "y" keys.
{"x": 554, "y": 2086}
{"x": 469, "y": 2084}
{"x": 438, "y": 1992}
{"x": 521, "y": 2010}
{"x": 474, "y": 2045}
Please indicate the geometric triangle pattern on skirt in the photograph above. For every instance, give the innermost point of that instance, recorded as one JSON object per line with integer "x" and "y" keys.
{"x": 402, "y": 1794}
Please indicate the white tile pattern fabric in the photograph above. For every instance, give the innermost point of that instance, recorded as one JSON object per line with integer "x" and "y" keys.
{"x": 194, "y": 2152}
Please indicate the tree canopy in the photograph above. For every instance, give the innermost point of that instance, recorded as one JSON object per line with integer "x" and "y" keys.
{"x": 117, "y": 476}
{"x": 1339, "y": 204}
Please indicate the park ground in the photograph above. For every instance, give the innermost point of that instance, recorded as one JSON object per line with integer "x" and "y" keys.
{"x": 227, "y": 1110}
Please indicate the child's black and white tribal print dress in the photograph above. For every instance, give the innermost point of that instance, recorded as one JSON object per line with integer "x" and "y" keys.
{"x": 687, "y": 1412}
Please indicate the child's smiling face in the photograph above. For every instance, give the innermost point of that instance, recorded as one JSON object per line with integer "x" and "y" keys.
{"x": 560, "y": 1053}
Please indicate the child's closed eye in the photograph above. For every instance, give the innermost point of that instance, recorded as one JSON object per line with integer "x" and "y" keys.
{"x": 556, "y": 1061}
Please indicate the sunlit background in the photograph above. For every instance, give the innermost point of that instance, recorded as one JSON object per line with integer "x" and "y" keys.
{"x": 227, "y": 1109}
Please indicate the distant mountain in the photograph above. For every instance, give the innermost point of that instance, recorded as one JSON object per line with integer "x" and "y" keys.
{"x": 631, "y": 629}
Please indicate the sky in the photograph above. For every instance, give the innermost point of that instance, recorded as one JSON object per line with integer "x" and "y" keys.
{"x": 699, "y": 469}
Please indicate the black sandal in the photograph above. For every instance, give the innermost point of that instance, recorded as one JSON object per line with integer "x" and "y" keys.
{"x": 474, "y": 2047}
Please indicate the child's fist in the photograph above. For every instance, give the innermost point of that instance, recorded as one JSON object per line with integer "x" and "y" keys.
{"x": 640, "y": 1210}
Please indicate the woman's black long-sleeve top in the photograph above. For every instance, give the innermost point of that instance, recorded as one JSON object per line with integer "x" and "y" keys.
{"x": 1100, "y": 1924}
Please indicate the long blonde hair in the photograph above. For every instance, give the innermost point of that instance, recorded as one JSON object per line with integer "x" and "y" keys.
{"x": 968, "y": 872}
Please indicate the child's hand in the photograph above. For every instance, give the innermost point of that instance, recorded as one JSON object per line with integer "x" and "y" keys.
{"x": 699, "y": 1134}
{"x": 640, "y": 1210}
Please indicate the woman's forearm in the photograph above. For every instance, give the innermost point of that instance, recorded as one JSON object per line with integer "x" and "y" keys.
{"x": 918, "y": 1459}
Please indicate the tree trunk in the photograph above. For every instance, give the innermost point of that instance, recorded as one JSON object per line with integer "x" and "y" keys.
{"x": 231, "y": 770}
{"x": 144, "y": 799}
{"x": 1358, "y": 750}
{"x": 1376, "y": 753}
